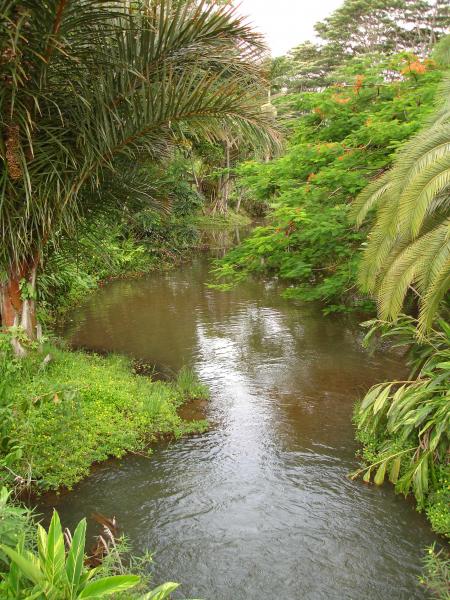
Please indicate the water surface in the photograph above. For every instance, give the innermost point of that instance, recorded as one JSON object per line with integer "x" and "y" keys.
{"x": 260, "y": 507}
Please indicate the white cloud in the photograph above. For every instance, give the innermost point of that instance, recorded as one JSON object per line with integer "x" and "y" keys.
{"x": 287, "y": 23}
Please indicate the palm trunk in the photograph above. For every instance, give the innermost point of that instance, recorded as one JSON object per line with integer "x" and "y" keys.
{"x": 18, "y": 309}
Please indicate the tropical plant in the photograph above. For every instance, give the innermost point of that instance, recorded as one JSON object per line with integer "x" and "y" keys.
{"x": 339, "y": 138}
{"x": 55, "y": 573}
{"x": 408, "y": 247}
{"x": 89, "y": 88}
{"x": 15, "y": 525}
{"x": 405, "y": 425}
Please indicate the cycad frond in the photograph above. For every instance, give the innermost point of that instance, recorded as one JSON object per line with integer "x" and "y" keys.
{"x": 409, "y": 241}
{"x": 416, "y": 200}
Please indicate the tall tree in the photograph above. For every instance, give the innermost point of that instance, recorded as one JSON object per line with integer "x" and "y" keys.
{"x": 367, "y": 26}
{"x": 359, "y": 28}
{"x": 89, "y": 87}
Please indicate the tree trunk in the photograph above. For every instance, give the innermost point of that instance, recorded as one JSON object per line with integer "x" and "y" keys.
{"x": 221, "y": 205}
{"x": 18, "y": 306}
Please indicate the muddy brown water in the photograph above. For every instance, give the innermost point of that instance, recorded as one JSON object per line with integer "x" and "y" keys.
{"x": 260, "y": 507}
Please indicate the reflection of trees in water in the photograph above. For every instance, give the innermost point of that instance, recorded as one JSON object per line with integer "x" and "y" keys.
{"x": 286, "y": 348}
{"x": 218, "y": 241}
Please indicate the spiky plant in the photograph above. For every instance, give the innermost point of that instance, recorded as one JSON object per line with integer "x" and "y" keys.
{"x": 409, "y": 244}
{"x": 89, "y": 87}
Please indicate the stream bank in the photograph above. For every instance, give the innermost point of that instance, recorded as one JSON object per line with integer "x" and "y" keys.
{"x": 259, "y": 506}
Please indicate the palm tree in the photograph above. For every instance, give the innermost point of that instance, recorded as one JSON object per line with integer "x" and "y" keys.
{"x": 89, "y": 88}
{"x": 408, "y": 246}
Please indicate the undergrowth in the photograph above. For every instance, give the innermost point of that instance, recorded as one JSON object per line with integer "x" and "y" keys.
{"x": 69, "y": 410}
{"x": 404, "y": 426}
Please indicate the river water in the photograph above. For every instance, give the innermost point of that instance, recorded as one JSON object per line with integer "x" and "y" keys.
{"x": 260, "y": 507}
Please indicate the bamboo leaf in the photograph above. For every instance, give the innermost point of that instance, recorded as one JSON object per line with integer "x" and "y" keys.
{"x": 381, "y": 400}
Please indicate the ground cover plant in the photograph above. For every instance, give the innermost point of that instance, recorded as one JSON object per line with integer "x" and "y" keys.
{"x": 65, "y": 412}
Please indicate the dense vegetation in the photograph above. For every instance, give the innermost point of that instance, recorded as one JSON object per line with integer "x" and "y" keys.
{"x": 338, "y": 139}
{"x": 122, "y": 130}
{"x": 51, "y": 564}
{"x": 63, "y": 411}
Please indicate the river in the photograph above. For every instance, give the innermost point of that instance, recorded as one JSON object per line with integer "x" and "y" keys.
{"x": 260, "y": 507}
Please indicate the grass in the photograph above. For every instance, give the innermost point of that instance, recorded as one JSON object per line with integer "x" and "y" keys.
{"x": 80, "y": 409}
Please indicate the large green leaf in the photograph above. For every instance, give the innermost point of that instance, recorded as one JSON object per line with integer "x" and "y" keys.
{"x": 75, "y": 557}
{"x": 109, "y": 585}
{"x": 380, "y": 474}
{"x": 29, "y": 568}
{"x": 56, "y": 556}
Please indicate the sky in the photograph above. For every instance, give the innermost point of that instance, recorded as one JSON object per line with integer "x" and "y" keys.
{"x": 287, "y": 23}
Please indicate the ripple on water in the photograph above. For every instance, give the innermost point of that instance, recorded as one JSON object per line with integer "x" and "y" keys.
{"x": 260, "y": 507}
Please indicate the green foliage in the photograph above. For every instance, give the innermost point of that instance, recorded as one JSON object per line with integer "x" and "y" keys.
{"x": 342, "y": 136}
{"x": 361, "y": 26}
{"x": 93, "y": 90}
{"x": 15, "y": 525}
{"x": 409, "y": 246}
{"x": 57, "y": 572}
{"x": 189, "y": 387}
{"x": 125, "y": 240}
{"x": 405, "y": 425}
{"x": 367, "y": 29}
{"x": 79, "y": 409}
{"x": 437, "y": 572}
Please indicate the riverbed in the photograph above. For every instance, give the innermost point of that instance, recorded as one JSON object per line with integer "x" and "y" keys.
{"x": 260, "y": 507}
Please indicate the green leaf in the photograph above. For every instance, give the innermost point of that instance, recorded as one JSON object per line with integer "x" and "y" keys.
{"x": 109, "y": 585}
{"x": 381, "y": 400}
{"x": 42, "y": 544}
{"x": 370, "y": 397}
{"x": 367, "y": 475}
{"x": 56, "y": 557}
{"x": 395, "y": 469}
{"x": 29, "y": 569}
{"x": 161, "y": 592}
{"x": 380, "y": 474}
{"x": 75, "y": 557}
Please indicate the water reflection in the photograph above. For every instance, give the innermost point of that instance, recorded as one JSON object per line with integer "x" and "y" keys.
{"x": 260, "y": 507}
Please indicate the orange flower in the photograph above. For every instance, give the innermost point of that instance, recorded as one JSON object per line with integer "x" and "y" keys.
{"x": 415, "y": 67}
{"x": 358, "y": 83}
{"x": 340, "y": 99}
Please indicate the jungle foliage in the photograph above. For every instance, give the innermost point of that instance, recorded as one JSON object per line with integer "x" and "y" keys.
{"x": 405, "y": 425}
{"x": 338, "y": 139}
{"x": 408, "y": 246}
{"x": 90, "y": 90}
